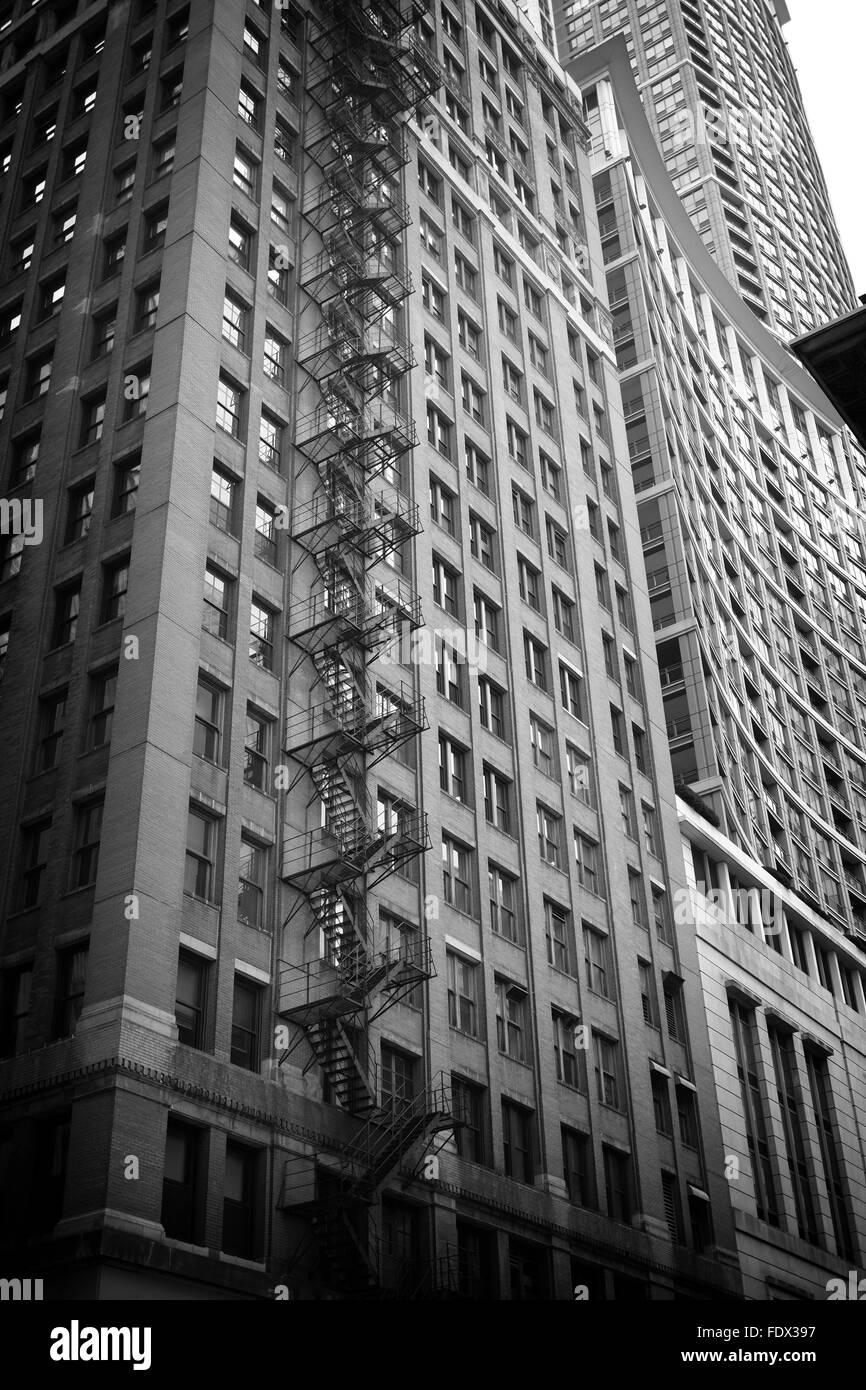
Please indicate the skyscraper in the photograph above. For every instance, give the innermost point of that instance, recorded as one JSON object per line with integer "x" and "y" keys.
{"x": 356, "y": 936}
{"x": 339, "y": 949}
{"x": 721, "y": 95}
{"x": 750, "y": 496}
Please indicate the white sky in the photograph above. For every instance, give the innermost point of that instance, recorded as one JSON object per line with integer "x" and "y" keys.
{"x": 827, "y": 43}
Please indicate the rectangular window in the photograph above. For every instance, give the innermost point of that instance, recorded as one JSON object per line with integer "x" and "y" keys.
{"x": 240, "y": 1201}
{"x": 492, "y": 707}
{"x": 15, "y": 995}
{"x": 208, "y": 721}
{"x": 754, "y": 1112}
{"x": 34, "y": 858}
{"x": 557, "y": 930}
{"x": 497, "y": 796}
{"x": 66, "y": 615}
{"x": 517, "y": 1125}
{"x": 469, "y": 1104}
{"x": 502, "y": 895}
{"x": 463, "y": 994}
{"x": 246, "y": 1024}
{"x": 262, "y": 635}
{"x": 577, "y": 1167}
{"x": 229, "y": 401}
{"x": 191, "y": 998}
{"x": 457, "y": 874}
{"x": 257, "y": 750}
{"x": 181, "y": 1213}
{"x": 69, "y": 989}
{"x": 571, "y": 691}
{"x": 79, "y": 513}
{"x": 791, "y": 1110}
{"x": 114, "y": 589}
{"x": 512, "y": 1020}
{"x": 535, "y": 661}
{"x": 607, "y": 1071}
{"x": 549, "y": 826}
{"x": 542, "y": 739}
{"x": 200, "y": 855}
{"x": 831, "y": 1157}
{"x": 486, "y": 621}
{"x": 453, "y": 765}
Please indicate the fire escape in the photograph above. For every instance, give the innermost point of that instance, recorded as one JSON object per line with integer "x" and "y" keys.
{"x": 364, "y": 75}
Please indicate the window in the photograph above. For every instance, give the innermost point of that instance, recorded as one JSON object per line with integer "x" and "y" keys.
{"x": 73, "y": 161}
{"x": 265, "y": 531}
{"x": 517, "y": 1125}
{"x": 651, "y": 831}
{"x": 114, "y": 586}
{"x": 25, "y": 454}
{"x": 496, "y": 800}
{"x": 542, "y": 739}
{"x": 563, "y": 616}
{"x": 85, "y": 859}
{"x": 539, "y": 355}
{"x": 661, "y": 1104}
{"x": 274, "y": 364}
{"x": 586, "y": 858}
{"x": 469, "y": 1105}
{"x": 246, "y": 1024}
{"x": 502, "y": 894}
{"x": 191, "y": 998}
{"x": 278, "y": 274}
{"x": 649, "y": 1003}
{"x": 640, "y": 749}
{"x": 828, "y": 1144}
{"x": 249, "y": 105}
{"x": 262, "y": 631}
{"x": 104, "y": 330}
{"x": 163, "y": 156}
{"x": 687, "y": 1115}
{"x": 200, "y": 854}
{"x": 15, "y": 994}
{"x": 523, "y": 509}
{"x": 114, "y": 253}
{"x": 469, "y": 335}
{"x": 549, "y": 826}
{"x": 457, "y": 874}
{"x": 466, "y": 275}
{"x": 448, "y": 673}
{"x": 244, "y": 173}
{"x": 208, "y": 721}
{"x": 256, "y": 750}
{"x": 511, "y": 1020}
{"x": 287, "y": 79}
{"x": 637, "y": 897}
{"x": 69, "y": 989}
{"x": 240, "y": 245}
{"x": 147, "y": 306}
{"x": 482, "y": 542}
{"x": 791, "y": 1110}
{"x": 674, "y": 1012}
{"x": 254, "y": 46}
{"x": 463, "y": 220}
{"x": 124, "y": 181}
{"x": 504, "y": 266}
{"x": 472, "y": 399}
{"x": 492, "y": 707}
{"x": 34, "y": 858}
{"x": 661, "y": 914}
{"x": 571, "y": 691}
{"x": 438, "y": 431}
{"x": 103, "y": 690}
{"x": 270, "y": 436}
{"x": 429, "y": 183}
{"x": 66, "y": 614}
{"x": 535, "y": 661}
{"x": 433, "y": 298}
{"x": 453, "y": 764}
{"x": 240, "y": 1233}
{"x": 442, "y": 505}
{"x": 557, "y": 543}
{"x": 597, "y": 961}
{"x": 431, "y": 237}
{"x": 397, "y": 1072}
{"x": 544, "y": 413}
{"x": 577, "y": 1167}
{"x": 533, "y": 299}
{"x": 607, "y": 1071}
{"x": 463, "y": 994}
{"x": 63, "y": 224}
{"x": 155, "y": 224}
{"x": 477, "y": 467}
{"x": 79, "y": 512}
{"x": 38, "y": 376}
{"x": 557, "y": 929}
{"x": 229, "y": 403}
{"x": 51, "y": 294}
{"x": 517, "y": 442}
{"x": 126, "y": 481}
{"x": 626, "y": 806}
{"x": 551, "y": 476}
{"x": 52, "y": 718}
{"x": 569, "y": 1054}
{"x": 754, "y": 1112}
{"x": 436, "y": 362}
{"x": 486, "y": 621}
{"x": 92, "y": 420}
{"x": 445, "y": 586}
{"x": 285, "y": 142}
{"x": 181, "y": 1213}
